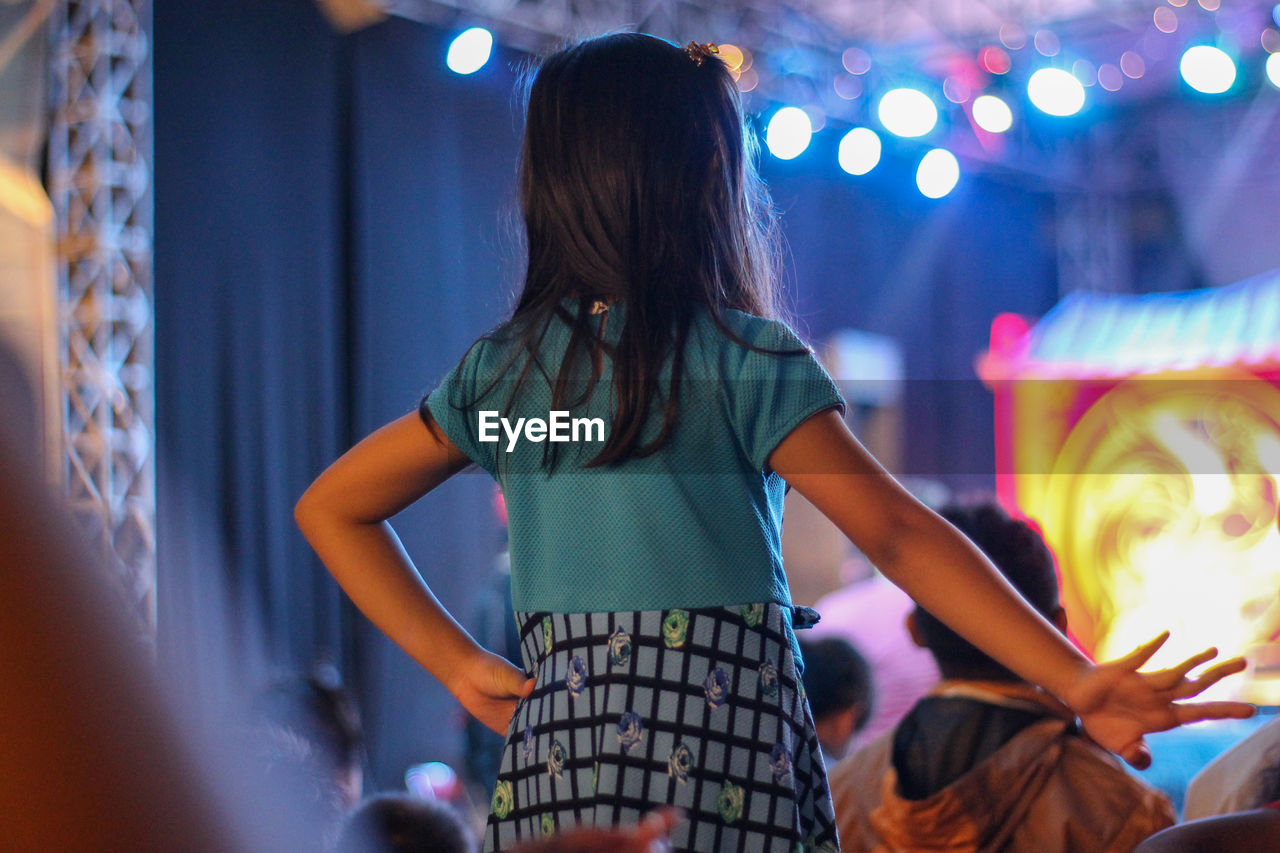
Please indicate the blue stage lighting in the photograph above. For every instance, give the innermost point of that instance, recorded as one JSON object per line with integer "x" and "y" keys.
{"x": 788, "y": 133}
{"x": 992, "y": 114}
{"x": 1207, "y": 69}
{"x": 859, "y": 151}
{"x": 1056, "y": 92}
{"x": 937, "y": 173}
{"x": 470, "y": 51}
{"x": 907, "y": 112}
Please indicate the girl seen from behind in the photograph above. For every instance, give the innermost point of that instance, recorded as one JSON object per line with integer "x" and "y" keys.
{"x": 660, "y": 663}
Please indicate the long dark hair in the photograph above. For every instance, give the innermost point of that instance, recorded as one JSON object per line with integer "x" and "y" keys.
{"x": 638, "y": 183}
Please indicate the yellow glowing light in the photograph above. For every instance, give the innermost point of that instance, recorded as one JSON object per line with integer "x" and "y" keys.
{"x": 732, "y": 56}
{"x": 1161, "y": 509}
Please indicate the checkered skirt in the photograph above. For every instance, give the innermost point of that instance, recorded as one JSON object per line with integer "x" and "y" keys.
{"x": 700, "y": 708}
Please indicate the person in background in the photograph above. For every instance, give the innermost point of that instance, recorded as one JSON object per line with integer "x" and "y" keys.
{"x": 987, "y": 761}
{"x": 309, "y": 737}
{"x": 837, "y": 682}
{"x": 1255, "y": 830}
{"x": 403, "y": 823}
{"x": 1233, "y": 781}
{"x": 871, "y": 614}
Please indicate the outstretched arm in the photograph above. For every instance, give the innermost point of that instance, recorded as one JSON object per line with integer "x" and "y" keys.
{"x": 344, "y": 516}
{"x": 948, "y": 576}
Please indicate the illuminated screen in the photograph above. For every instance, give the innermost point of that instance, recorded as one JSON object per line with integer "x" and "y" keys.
{"x": 1159, "y": 499}
{"x": 1161, "y": 507}
{"x": 1142, "y": 434}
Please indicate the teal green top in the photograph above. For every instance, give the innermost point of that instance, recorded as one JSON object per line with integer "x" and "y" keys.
{"x": 696, "y": 524}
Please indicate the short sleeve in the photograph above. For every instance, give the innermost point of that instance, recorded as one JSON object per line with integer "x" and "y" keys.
{"x": 453, "y": 406}
{"x": 774, "y": 387}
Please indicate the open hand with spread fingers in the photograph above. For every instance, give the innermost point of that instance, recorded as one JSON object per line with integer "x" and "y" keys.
{"x": 1118, "y": 705}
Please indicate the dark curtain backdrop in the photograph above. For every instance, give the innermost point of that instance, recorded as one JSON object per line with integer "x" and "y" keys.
{"x": 333, "y": 229}
{"x": 433, "y": 165}
{"x": 251, "y": 334}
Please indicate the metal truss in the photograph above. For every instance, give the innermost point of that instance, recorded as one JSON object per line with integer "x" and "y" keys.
{"x": 99, "y": 177}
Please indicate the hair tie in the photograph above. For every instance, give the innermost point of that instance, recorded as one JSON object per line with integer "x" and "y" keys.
{"x": 699, "y": 52}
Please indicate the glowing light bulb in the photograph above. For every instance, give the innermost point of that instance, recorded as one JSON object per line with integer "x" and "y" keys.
{"x": 859, "y": 151}
{"x": 937, "y": 173}
{"x": 469, "y": 52}
{"x": 788, "y": 133}
{"x": 1056, "y": 92}
{"x": 992, "y": 114}
{"x": 1207, "y": 69}
{"x": 907, "y": 112}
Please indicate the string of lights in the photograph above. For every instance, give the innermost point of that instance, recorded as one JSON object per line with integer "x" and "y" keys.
{"x": 932, "y": 80}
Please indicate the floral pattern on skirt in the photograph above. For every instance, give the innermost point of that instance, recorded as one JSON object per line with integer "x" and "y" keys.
{"x": 701, "y": 708}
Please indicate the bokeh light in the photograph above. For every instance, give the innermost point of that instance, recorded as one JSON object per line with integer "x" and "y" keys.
{"x": 859, "y": 151}
{"x": 434, "y": 780}
{"x": 955, "y": 90}
{"x": 938, "y": 173}
{"x": 1207, "y": 69}
{"x": 992, "y": 114}
{"x": 1132, "y": 64}
{"x": 848, "y": 86}
{"x": 1273, "y": 69}
{"x": 732, "y": 56}
{"x": 1166, "y": 19}
{"x": 1085, "y": 72}
{"x": 907, "y": 112}
{"x": 788, "y": 133}
{"x": 1013, "y": 36}
{"x": 817, "y": 117}
{"x": 1110, "y": 77}
{"x": 856, "y": 60}
{"x": 469, "y": 52}
{"x": 1056, "y": 92}
{"x": 994, "y": 60}
{"x": 1047, "y": 43}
